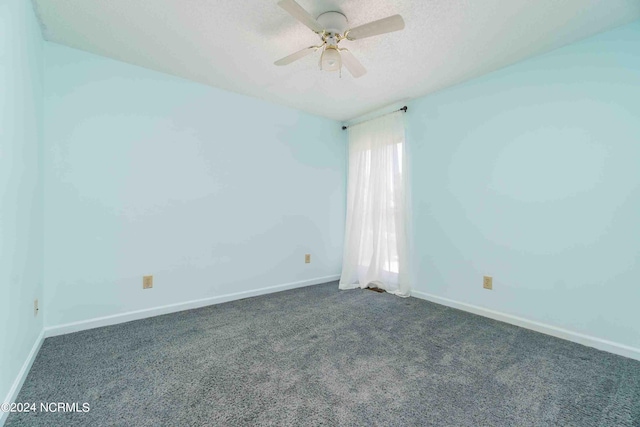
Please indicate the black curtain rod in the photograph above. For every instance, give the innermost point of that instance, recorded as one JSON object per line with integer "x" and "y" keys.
{"x": 399, "y": 109}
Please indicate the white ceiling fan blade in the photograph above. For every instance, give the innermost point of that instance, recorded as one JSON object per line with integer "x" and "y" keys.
{"x": 301, "y": 15}
{"x": 352, "y": 64}
{"x": 381, "y": 26}
{"x": 295, "y": 56}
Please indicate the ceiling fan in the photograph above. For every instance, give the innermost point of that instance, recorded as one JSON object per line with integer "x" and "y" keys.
{"x": 333, "y": 27}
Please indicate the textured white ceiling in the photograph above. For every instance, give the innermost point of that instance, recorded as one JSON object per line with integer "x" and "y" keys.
{"x": 232, "y": 44}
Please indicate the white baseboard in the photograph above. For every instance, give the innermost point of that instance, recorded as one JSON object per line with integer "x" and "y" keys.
{"x": 98, "y": 322}
{"x": 600, "y": 344}
{"x": 22, "y": 375}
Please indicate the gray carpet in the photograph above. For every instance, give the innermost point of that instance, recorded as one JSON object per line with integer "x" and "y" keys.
{"x": 319, "y": 356}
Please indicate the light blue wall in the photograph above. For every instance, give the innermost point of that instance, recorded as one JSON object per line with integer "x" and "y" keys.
{"x": 20, "y": 186}
{"x": 211, "y": 192}
{"x": 532, "y": 175}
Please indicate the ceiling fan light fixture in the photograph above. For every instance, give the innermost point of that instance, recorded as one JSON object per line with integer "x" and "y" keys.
{"x": 333, "y": 27}
{"x": 331, "y": 59}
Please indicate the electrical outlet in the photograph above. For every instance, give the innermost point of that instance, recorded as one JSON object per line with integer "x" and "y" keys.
{"x": 35, "y": 307}
{"x": 307, "y": 258}
{"x": 487, "y": 283}
{"x": 147, "y": 282}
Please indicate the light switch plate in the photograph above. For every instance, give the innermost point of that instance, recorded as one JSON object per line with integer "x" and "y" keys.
{"x": 147, "y": 282}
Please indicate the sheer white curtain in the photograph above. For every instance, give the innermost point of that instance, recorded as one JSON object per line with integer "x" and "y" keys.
{"x": 376, "y": 238}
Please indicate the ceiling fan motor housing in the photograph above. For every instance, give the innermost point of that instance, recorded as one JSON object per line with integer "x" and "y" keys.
{"x": 334, "y": 23}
